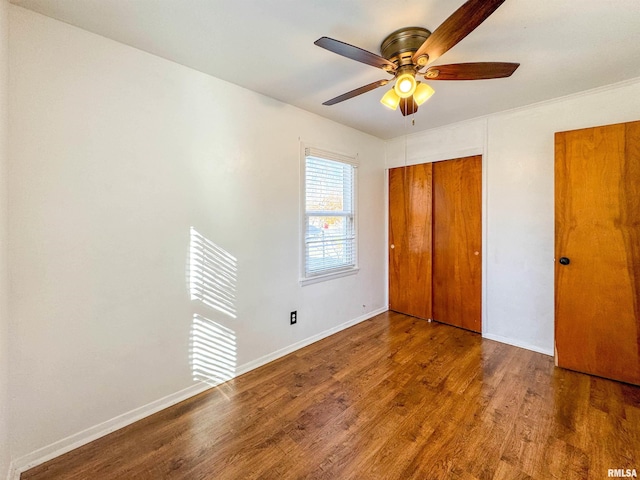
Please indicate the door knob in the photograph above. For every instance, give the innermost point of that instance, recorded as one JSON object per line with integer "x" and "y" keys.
{"x": 564, "y": 261}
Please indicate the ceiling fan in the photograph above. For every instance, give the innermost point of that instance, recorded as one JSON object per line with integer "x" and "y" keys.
{"x": 406, "y": 53}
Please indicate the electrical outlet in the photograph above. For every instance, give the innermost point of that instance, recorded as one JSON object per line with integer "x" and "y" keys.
{"x": 294, "y": 317}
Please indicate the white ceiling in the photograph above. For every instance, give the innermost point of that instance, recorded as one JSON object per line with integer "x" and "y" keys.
{"x": 563, "y": 46}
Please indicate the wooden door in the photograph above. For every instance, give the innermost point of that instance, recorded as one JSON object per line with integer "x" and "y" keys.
{"x": 410, "y": 240}
{"x": 597, "y": 222}
{"x": 457, "y": 242}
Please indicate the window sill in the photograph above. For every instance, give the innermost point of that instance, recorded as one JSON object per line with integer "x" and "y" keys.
{"x": 328, "y": 276}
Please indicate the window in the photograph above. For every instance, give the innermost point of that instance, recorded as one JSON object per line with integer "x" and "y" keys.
{"x": 329, "y": 215}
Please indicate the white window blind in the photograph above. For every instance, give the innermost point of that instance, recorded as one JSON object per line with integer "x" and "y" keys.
{"x": 329, "y": 230}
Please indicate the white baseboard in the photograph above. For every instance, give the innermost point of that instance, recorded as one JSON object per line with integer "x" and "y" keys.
{"x": 307, "y": 341}
{"x": 76, "y": 440}
{"x": 518, "y": 343}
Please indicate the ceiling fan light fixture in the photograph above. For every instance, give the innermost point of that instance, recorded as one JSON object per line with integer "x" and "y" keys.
{"x": 423, "y": 93}
{"x": 405, "y": 85}
{"x": 390, "y": 99}
{"x": 408, "y": 51}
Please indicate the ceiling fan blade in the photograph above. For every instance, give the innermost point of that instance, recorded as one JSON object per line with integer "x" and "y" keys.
{"x": 471, "y": 71}
{"x": 355, "y": 53}
{"x": 356, "y": 92}
{"x": 408, "y": 106}
{"x": 460, "y": 24}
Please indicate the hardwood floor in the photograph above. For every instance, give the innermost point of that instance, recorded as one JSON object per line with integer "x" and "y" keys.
{"x": 394, "y": 397}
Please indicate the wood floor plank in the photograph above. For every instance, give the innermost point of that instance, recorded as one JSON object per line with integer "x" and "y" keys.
{"x": 393, "y": 397}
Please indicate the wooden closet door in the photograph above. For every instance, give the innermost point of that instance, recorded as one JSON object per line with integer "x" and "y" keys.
{"x": 597, "y": 249}
{"x": 457, "y": 242}
{"x": 410, "y": 240}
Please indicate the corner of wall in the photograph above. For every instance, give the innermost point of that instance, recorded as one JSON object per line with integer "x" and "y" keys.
{"x": 5, "y": 453}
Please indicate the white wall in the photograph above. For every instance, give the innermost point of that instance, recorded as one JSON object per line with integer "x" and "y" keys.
{"x": 115, "y": 155}
{"x": 518, "y": 223}
{"x": 4, "y": 286}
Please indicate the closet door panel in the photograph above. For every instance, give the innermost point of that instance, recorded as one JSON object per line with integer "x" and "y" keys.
{"x": 457, "y": 242}
{"x": 410, "y": 227}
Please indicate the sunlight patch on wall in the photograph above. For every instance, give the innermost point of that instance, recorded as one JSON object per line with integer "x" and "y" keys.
{"x": 213, "y": 351}
{"x": 212, "y": 274}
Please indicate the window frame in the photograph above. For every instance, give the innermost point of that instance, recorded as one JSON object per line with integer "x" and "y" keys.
{"x": 307, "y": 150}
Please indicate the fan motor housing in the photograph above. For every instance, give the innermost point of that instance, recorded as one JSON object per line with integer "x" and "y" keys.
{"x": 400, "y": 45}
